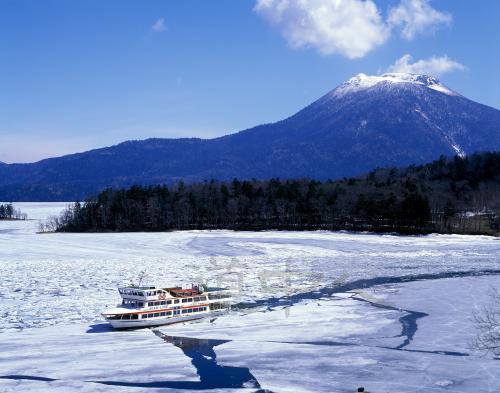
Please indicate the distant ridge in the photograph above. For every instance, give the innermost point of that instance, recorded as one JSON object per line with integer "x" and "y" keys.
{"x": 366, "y": 122}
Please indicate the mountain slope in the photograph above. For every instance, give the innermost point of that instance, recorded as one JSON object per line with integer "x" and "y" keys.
{"x": 367, "y": 122}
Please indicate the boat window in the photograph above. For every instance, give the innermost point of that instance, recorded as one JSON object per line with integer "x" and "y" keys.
{"x": 163, "y": 302}
{"x": 184, "y": 300}
{"x": 157, "y": 314}
{"x": 169, "y": 301}
{"x": 176, "y": 301}
{"x": 203, "y": 298}
{"x": 135, "y": 316}
{"x": 190, "y": 299}
{"x": 150, "y": 315}
{"x": 190, "y": 310}
{"x": 169, "y": 312}
{"x": 125, "y": 316}
{"x": 184, "y": 311}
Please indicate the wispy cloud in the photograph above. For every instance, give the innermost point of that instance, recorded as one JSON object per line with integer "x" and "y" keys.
{"x": 159, "y": 26}
{"x": 417, "y": 17}
{"x": 350, "y": 28}
{"x": 432, "y": 66}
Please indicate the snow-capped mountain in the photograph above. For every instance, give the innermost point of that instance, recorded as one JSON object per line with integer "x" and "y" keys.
{"x": 363, "y": 82}
{"x": 366, "y": 122}
{"x": 406, "y": 118}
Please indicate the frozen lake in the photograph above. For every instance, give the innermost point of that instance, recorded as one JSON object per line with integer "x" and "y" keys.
{"x": 331, "y": 311}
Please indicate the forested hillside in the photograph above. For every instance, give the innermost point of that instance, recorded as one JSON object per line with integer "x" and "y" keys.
{"x": 457, "y": 195}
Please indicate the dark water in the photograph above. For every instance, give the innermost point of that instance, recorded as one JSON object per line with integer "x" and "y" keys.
{"x": 27, "y": 377}
{"x": 204, "y": 359}
{"x": 357, "y": 284}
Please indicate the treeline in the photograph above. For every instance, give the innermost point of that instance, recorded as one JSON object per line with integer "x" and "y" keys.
{"x": 448, "y": 195}
{"x": 8, "y": 212}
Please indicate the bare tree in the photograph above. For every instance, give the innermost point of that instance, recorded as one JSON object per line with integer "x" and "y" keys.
{"x": 488, "y": 326}
{"x": 142, "y": 275}
{"x": 51, "y": 224}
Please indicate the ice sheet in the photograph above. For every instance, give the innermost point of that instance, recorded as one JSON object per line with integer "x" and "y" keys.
{"x": 334, "y": 344}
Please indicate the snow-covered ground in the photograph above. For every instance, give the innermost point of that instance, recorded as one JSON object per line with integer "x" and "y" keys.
{"x": 303, "y": 335}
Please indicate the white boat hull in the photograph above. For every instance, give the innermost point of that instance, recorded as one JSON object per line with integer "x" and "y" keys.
{"x": 140, "y": 323}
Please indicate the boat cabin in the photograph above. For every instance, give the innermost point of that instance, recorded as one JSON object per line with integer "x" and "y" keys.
{"x": 146, "y": 306}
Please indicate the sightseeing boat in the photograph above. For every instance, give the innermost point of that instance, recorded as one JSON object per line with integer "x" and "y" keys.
{"x": 144, "y": 306}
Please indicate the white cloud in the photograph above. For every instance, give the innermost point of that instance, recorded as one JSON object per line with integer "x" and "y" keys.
{"x": 432, "y": 66}
{"x": 350, "y": 28}
{"x": 159, "y": 26}
{"x": 416, "y": 17}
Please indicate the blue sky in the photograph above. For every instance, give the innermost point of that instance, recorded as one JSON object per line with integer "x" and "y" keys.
{"x": 76, "y": 75}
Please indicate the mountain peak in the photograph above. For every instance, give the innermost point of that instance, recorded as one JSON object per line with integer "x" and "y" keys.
{"x": 364, "y": 82}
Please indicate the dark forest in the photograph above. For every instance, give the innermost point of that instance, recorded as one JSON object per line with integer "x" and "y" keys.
{"x": 449, "y": 195}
